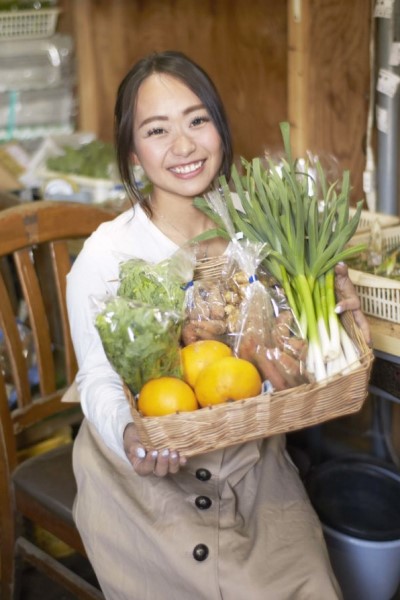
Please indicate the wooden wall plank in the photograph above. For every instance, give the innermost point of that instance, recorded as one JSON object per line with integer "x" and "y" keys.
{"x": 267, "y": 67}
{"x": 242, "y": 45}
{"x": 329, "y": 79}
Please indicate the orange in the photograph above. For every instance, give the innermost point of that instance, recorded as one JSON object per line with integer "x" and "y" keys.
{"x": 228, "y": 378}
{"x": 164, "y": 396}
{"x": 200, "y": 354}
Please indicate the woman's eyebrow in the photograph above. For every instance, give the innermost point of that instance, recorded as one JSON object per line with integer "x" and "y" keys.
{"x": 187, "y": 111}
{"x": 153, "y": 118}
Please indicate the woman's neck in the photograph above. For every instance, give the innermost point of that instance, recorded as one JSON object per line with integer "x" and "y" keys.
{"x": 180, "y": 221}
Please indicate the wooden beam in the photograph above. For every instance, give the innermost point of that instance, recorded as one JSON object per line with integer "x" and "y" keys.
{"x": 298, "y": 73}
{"x": 87, "y": 67}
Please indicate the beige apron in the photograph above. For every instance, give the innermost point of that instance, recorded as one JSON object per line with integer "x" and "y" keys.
{"x": 242, "y": 510}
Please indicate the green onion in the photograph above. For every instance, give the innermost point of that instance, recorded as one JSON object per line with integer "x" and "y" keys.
{"x": 306, "y": 237}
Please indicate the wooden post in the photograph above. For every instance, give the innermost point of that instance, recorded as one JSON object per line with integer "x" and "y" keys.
{"x": 298, "y": 74}
{"x": 87, "y": 65}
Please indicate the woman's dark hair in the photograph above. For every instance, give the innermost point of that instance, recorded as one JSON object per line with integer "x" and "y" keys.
{"x": 195, "y": 78}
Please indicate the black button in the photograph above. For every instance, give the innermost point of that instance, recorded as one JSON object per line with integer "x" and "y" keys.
{"x": 203, "y": 502}
{"x": 200, "y": 552}
{"x": 203, "y": 474}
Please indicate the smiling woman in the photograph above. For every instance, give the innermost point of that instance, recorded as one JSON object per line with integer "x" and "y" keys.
{"x": 229, "y": 524}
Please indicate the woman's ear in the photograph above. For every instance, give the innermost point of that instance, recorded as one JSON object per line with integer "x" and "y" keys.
{"x": 135, "y": 160}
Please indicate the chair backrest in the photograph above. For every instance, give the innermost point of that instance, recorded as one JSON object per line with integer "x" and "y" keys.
{"x": 38, "y": 241}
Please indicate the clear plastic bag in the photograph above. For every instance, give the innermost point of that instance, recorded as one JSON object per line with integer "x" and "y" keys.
{"x": 140, "y": 327}
{"x": 253, "y": 314}
{"x": 160, "y": 284}
{"x": 141, "y": 341}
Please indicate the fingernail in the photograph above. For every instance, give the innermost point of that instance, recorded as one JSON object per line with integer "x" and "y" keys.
{"x": 154, "y": 453}
{"x": 174, "y": 455}
{"x": 338, "y": 309}
{"x": 140, "y": 452}
{"x": 165, "y": 452}
{"x": 341, "y": 262}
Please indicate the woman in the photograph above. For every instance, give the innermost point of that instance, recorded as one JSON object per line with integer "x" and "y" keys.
{"x": 229, "y": 524}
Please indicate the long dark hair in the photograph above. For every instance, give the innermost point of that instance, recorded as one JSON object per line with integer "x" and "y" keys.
{"x": 195, "y": 78}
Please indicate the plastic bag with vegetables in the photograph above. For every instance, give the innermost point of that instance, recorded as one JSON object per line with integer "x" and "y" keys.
{"x": 140, "y": 327}
{"x": 263, "y": 328}
{"x": 254, "y": 315}
{"x": 140, "y": 341}
{"x": 160, "y": 284}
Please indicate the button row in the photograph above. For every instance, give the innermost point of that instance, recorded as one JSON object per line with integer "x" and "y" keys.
{"x": 200, "y": 552}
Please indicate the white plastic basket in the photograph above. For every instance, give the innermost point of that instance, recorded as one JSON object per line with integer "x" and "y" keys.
{"x": 379, "y": 296}
{"x": 28, "y": 24}
{"x": 367, "y": 217}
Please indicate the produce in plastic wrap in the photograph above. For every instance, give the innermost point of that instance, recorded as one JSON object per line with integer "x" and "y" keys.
{"x": 245, "y": 310}
{"x": 140, "y": 341}
{"x": 159, "y": 284}
{"x": 140, "y": 327}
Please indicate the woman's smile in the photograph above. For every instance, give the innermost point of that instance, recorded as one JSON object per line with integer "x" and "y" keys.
{"x": 188, "y": 169}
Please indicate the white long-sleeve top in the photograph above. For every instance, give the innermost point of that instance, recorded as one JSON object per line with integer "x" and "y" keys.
{"x": 95, "y": 273}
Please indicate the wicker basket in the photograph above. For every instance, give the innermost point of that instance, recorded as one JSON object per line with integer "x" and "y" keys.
{"x": 379, "y": 296}
{"x": 232, "y": 423}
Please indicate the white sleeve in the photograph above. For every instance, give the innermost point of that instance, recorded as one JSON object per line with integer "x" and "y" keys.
{"x": 95, "y": 273}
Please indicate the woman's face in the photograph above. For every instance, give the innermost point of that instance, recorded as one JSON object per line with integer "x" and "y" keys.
{"x": 176, "y": 143}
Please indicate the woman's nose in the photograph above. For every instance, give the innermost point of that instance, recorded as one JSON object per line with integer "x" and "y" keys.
{"x": 183, "y": 145}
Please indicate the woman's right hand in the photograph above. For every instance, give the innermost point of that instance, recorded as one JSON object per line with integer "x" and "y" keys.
{"x": 151, "y": 462}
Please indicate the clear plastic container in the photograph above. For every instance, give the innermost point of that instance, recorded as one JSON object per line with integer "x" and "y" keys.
{"x": 33, "y": 108}
{"x": 36, "y": 64}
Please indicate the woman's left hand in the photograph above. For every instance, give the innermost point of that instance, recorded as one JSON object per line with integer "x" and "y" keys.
{"x": 349, "y": 300}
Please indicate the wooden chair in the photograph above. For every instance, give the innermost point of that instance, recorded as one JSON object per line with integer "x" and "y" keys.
{"x": 39, "y": 491}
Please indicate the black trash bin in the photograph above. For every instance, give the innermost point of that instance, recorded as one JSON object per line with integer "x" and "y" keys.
{"x": 358, "y": 502}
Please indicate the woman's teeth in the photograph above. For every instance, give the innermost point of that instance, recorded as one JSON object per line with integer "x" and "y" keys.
{"x": 187, "y": 168}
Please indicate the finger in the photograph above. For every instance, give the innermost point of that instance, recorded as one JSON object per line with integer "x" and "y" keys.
{"x": 143, "y": 462}
{"x": 174, "y": 463}
{"x": 135, "y": 454}
{"x": 161, "y": 467}
{"x": 349, "y": 300}
{"x": 343, "y": 284}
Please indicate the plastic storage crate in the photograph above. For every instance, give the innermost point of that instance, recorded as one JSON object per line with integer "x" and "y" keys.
{"x": 28, "y": 24}
{"x": 53, "y": 107}
{"x": 367, "y": 218}
{"x": 36, "y": 64}
{"x": 379, "y": 296}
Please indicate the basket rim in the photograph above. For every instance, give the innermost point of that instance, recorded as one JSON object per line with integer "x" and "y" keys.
{"x": 362, "y": 278}
{"x": 13, "y": 14}
{"x": 366, "y": 359}
{"x": 386, "y": 232}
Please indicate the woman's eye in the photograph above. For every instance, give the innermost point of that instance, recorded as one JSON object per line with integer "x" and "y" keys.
{"x": 155, "y": 131}
{"x": 200, "y": 120}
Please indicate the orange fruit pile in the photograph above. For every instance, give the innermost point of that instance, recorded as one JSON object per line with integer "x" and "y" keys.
{"x": 211, "y": 375}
